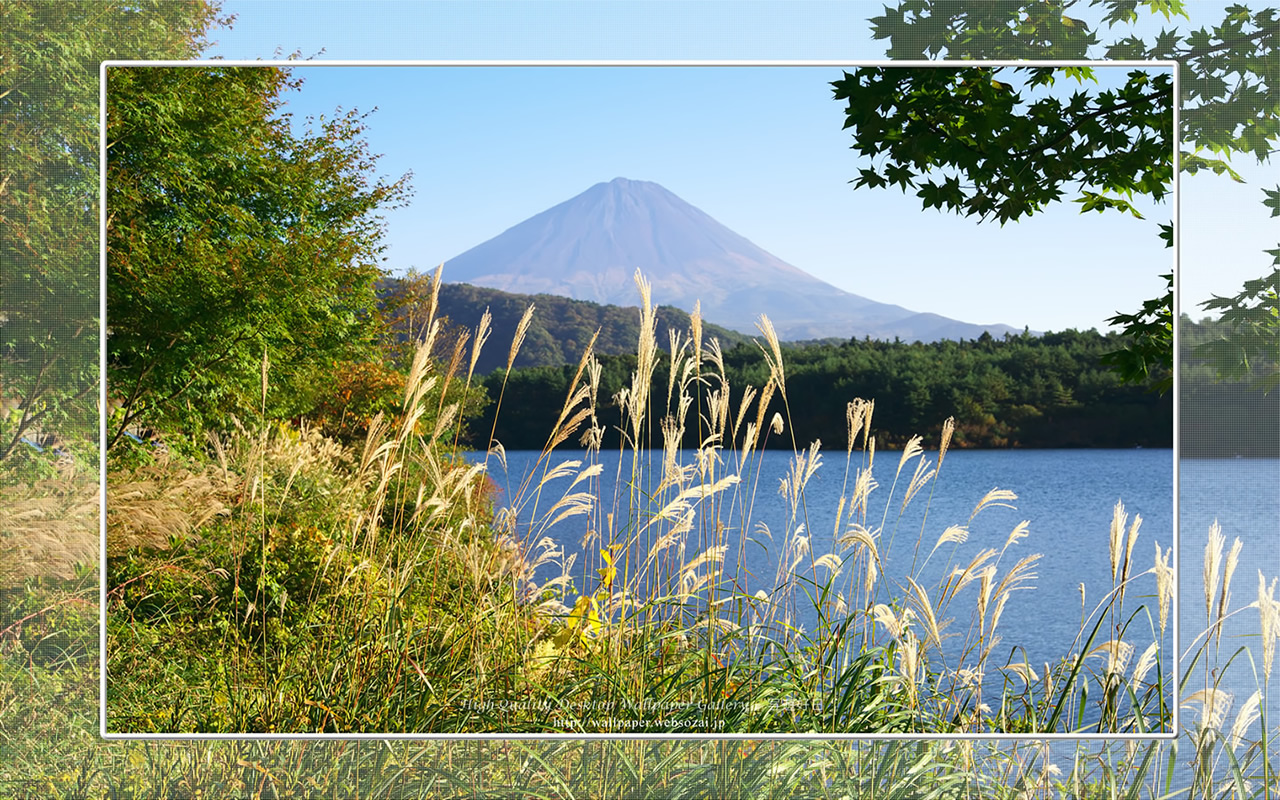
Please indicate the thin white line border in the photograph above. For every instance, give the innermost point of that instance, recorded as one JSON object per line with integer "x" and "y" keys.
{"x": 1173, "y": 66}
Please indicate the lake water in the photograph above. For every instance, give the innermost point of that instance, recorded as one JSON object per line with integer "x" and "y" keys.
{"x": 1066, "y": 496}
{"x": 1243, "y": 495}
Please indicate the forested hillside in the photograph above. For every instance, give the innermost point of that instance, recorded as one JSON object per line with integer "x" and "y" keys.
{"x": 1018, "y": 391}
{"x": 560, "y": 328}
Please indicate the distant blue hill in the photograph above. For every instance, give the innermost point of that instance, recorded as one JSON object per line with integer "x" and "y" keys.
{"x": 589, "y": 247}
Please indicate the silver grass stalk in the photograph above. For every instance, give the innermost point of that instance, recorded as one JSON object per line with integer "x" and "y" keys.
{"x": 1269, "y": 611}
{"x": 773, "y": 356}
{"x": 522, "y": 327}
{"x": 909, "y": 452}
{"x": 1245, "y": 717}
{"x": 1164, "y": 583}
{"x": 1118, "y": 519}
{"x": 1212, "y": 559}
{"x": 948, "y": 428}
{"x": 1224, "y": 597}
{"x": 482, "y": 336}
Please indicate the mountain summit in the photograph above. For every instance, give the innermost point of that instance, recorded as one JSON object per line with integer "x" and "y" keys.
{"x": 589, "y": 247}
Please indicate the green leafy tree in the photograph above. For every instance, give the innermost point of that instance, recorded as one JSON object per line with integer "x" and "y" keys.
{"x": 1229, "y": 107}
{"x": 966, "y": 141}
{"x": 49, "y": 54}
{"x": 233, "y": 244}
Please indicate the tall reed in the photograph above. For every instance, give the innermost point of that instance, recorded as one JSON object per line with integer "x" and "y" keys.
{"x": 397, "y": 599}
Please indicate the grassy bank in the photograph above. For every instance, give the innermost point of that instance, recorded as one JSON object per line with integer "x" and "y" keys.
{"x": 277, "y": 581}
{"x": 274, "y": 580}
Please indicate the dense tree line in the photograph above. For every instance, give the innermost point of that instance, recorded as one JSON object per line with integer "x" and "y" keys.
{"x": 1226, "y": 407}
{"x": 1017, "y": 391}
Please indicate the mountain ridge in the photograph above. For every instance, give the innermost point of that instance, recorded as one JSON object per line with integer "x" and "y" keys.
{"x": 589, "y": 247}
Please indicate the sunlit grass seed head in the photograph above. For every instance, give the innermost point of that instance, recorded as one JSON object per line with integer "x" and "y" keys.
{"x": 909, "y": 452}
{"x": 1214, "y": 704}
{"x": 858, "y": 421}
{"x": 1118, "y": 519}
{"x": 897, "y": 625}
{"x": 954, "y": 534}
{"x": 1269, "y": 612}
{"x": 1117, "y": 652}
{"x": 863, "y": 485}
{"x": 1130, "y": 540}
{"x": 948, "y": 428}
{"x": 772, "y": 356}
{"x": 1212, "y": 560}
{"x": 46, "y": 529}
{"x": 1228, "y": 570}
{"x": 1145, "y": 662}
{"x": 922, "y": 475}
{"x": 517, "y": 340}
{"x": 1250, "y": 711}
{"x": 1165, "y": 583}
{"x": 993, "y": 498}
{"x": 924, "y": 612}
{"x": 1023, "y": 670}
{"x": 1016, "y": 535}
{"x": 482, "y": 336}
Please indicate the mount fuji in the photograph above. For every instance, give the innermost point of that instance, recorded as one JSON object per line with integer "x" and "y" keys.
{"x": 589, "y": 247}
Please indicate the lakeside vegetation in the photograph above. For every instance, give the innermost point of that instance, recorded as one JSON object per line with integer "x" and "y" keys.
{"x": 1054, "y": 390}
{"x": 48, "y": 636}
{"x": 1042, "y": 391}
{"x": 370, "y": 589}
{"x": 415, "y": 598}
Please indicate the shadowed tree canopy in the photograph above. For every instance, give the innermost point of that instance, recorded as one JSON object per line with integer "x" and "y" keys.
{"x": 965, "y": 141}
{"x": 49, "y": 55}
{"x": 1229, "y": 106}
{"x": 232, "y": 241}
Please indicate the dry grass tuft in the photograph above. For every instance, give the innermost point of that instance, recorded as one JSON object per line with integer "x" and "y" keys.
{"x": 157, "y": 506}
{"x": 47, "y": 529}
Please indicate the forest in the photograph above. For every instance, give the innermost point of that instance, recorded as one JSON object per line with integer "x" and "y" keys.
{"x": 1016, "y": 391}
{"x": 559, "y": 329}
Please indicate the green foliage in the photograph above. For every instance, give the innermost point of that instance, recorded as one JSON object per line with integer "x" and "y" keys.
{"x": 51, "y": 620}
{"x": 232, "y": 240}
{"x": 49, "y": 54}
{"x": 27, "y": 466}
{"x": 1230, "y": 104}
{"x": 1027, "y": 391}
{"x": 1226, "y": 412}
{"x": 1150, "y": 333}
{"x": 1250, "y": 343}
{"x": 935, "y": 127}
{"x": 969, "y": 143}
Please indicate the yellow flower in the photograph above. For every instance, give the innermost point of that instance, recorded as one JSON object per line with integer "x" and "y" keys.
{"x": 583, "y": 620}
{"x": 610, "y": 571}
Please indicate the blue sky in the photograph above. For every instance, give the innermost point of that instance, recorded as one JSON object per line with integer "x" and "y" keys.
{"x": 760, "y": 149}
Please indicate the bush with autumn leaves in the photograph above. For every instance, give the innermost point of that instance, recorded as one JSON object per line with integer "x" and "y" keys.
{"x": 361, "y": 391}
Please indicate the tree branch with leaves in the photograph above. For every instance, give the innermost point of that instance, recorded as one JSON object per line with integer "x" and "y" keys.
{"x": 1230, "y": 106}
